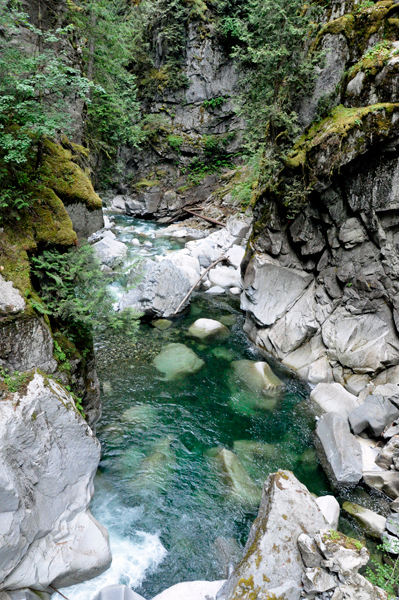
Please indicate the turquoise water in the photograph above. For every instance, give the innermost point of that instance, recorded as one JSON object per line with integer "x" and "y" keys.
{"x": 166, "y": 501}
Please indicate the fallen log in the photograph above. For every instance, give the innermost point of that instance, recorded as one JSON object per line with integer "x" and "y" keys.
{"x": 221, "y": 259}
{"x": 213, "y": 221}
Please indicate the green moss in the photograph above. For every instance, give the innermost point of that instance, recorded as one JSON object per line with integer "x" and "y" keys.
{"x": 66, "y": 178}
{"x": 146, "y": 183}
{"x": 374, "y": 60}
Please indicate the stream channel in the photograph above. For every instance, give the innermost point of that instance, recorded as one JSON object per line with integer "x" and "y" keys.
{"x": 170, "y": 513}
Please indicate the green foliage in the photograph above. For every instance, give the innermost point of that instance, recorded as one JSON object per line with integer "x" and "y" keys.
{"x": 215, "y": 159}
{"x": 15, "y": 381}
{"x": 214, "y": 102}
{"x": 386, "y": 576}
{"x": 334, "y": 535}
{"x": 35, "y": 87}
{"x": 77, "y": 295}
{"x": 272, "y": 53}
{"x": 243, "y": 190}
{"x": 175, "y": 142}
{"x": 364, "y": 6}
{"x": 104, "y": 33}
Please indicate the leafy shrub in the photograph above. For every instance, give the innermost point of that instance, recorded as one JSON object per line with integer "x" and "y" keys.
{"x": 77, "y": 295}
{"x": 386, "y": 576}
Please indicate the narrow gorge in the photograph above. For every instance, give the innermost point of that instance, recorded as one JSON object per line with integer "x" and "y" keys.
{"x": 199, "y": 324}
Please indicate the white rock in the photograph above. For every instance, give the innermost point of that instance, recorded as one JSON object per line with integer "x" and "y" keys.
{"x": 117, "y": 592}
{"x": 333, "y": 397}
{"x": 206, "y": 328}
{"x": 373, "y": 523}
{"x": 257, "y": 376}
{"x": 329, "y": 506}
{"x": 225, "y": 277}
{"x": 236, "y": 291}
{"x": 216, "y": 290}
{"x": 48, "y": 459}
{"x": 11, "y": 300}
{"x": 118, "y": 203}
{"x": 235, "y": 255}
{"x": 110, "y": 252}
{"x": 187, "y": 264}
{"x": 369, "y": 454}
{"x": 108, "y": 224}
{"x": 191, "y": 590}
{"x": 135, "y": 242}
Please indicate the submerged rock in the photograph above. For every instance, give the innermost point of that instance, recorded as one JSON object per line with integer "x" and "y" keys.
{"x": 143, "y": 415}
{"x": 271, "y": 555}
{"x": 177, "y": 361}
{"x": 208, "y": 328}
{"x": 156, "y": 470}
{"x": 257, "y": 376}
{"x": 162, "y": 324}
{"x": 48, "y": 459}
{"x": 235, "y": 476}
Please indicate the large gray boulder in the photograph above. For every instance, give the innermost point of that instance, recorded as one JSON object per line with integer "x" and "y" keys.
{"x": 110, "y": 252}
{"x": 388, "y": 458}
{"x": 270, "y": 290}
{"x": 48, "y": 459}
{"x": 333, "y": 397}
{"x": 374, "y": 415}
{"x": 271, "y": 555}
{"x": 160, "y": 289}
{"x": 339, "y": 450}
{"x": 25, "y": 344}
{"x": 117, "y": 592}
{"x": 384, "y": 481}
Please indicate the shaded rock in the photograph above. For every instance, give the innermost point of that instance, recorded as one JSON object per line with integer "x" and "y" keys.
{"x": 391, "y": 543}
{"x": 228, "y": 553}
{"x": 84, "y": 221}
{"x": 395, "y": 505}
{"x": 389, "y": 456}
{"x": 369, "y": 454}
{"x": 11, "y": 300}
{"x": 317, "y": 580}
{"x": 271, "y": 555}
{"x": 191, "y": 590}
{"x": 27, "y": 344}
{"x": 257, "y": 376}
{"x": 162, "y": 324}
{"x": 392, "y": 525}
{"x": 208, "y": 328}
{"x": 177, "y": 361}
{"x": 309, "y": 551}
{"x": 373, "y": 415}
{"x": 385, "y": 481}
{"x": 235, "y": 476}
{"x": 341, "y": 556}
{"x": 110, "y": 252}
{"x": 329, "y": 506}
{"x": 342, "y": 455}
{"x": 351, "y": 233}
{"x": 48, "y": 459}
{"x": 117, "y": 592}
{"x": 333, "y": 397}
{"x": 373, "y": 524}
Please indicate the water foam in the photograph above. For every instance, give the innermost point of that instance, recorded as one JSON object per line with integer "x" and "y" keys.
{"x": 134, "y": 553}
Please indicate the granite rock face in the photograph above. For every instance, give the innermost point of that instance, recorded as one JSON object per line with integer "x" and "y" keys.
{"x": 271, "y": 554}
{"x": 49, "y": 457}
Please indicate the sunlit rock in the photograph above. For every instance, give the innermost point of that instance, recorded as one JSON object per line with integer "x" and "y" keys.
{"x": 208, "y": 328}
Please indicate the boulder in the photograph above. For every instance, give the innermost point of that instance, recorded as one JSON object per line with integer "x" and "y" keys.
{"x": 119, "y": 203}
{"x": 235, "y": 255}
{"x": 208, "y": 328}
{"x": 333, "y": 397}
{"x": 392, "y": 525}
{"x": 388, "y": 458}
{"x": 177, "y": 361}
{"x": 117, "y": 592}
{"x": 270, "y": 290}
{"x": 351, "y": 233}
{"x": 110, "y": 252}
{"x": 374, "y": 415}
{"x": 316, "y": 581}
{"x": 236, "y": 291}
{"x": 159, "y": 290}
{"x": 257, "y": 376}
{"x": 235, "y": 476}
{"x": 341, "y": 453}
{"x": 384, "y": 481}
{"x": 271, "y": 555}
{"x": 191, "y": 590}
{"x": 225, "y": 277}
{"x": 310, "y": 554}
{"x": 48, "y": 459}
{"x": 188, "y": 265}
{"x": 154, "y": 472}
{"x": 329, "y": 506}
{"x": 372, "y": 523}
{"x": 11, "y": 301}
{"x": 161, "y": 324}
{"x": 369, "y": 454}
